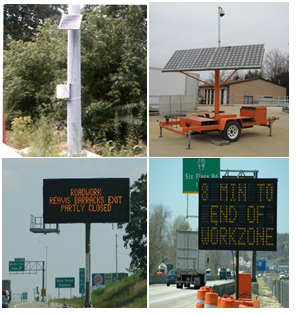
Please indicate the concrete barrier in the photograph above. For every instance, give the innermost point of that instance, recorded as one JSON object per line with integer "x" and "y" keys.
{"x": 155, "y": 279}
{"x": 225, "y": 288}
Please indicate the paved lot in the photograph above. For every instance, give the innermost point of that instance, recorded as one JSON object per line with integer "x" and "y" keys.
{"x": 254, "y": 142}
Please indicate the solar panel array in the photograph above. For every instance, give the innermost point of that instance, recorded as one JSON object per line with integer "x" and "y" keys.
{"x": 70, "y": 22}
{"x": 217, "y": 58}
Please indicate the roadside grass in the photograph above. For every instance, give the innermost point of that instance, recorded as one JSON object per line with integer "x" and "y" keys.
{"x": 129, "y": 292}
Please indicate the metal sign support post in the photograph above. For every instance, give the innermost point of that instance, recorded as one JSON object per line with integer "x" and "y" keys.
{"x": 237, "y": 275}
{"x": 116, "y": 260}
{"x": 216, "y": 92}
{"x": 74, "y": 125}
{"x": 88, "y": 265}
{"x": 43, "y": 278}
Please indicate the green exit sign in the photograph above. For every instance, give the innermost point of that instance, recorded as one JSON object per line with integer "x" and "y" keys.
{"x": 193, "y": 169}
{"x": 64, "y": 282}
{"x": 16, "y": 266}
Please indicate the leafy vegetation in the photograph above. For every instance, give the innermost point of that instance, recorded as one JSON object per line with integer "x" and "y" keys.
{"x": 114, "y": 74}
{"x": 136, "y": 230}
{"x": 129, "y": 292}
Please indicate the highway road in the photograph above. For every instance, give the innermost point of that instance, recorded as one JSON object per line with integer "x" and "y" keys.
{"x": 161, "y": 296}
{"x": 19, "y": 304}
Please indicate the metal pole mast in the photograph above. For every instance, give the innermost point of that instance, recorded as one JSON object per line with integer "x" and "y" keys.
{"x": 74, "y": 125}
{"x": 88, "y": 265}
{"x": 43, "y": 277}
{"x": 218, "y": 27}
{"x": 116, "y": 260}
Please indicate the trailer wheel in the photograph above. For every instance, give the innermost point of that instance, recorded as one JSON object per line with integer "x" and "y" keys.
{"x": 232, "y": 131}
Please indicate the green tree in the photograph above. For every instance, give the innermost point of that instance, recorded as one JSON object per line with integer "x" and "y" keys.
{"x": 114, "y": 68}
{"x": 22, "y": 21}
{"x": 136, "y": 230}
{"x": 114, "y": 74}
{"x": 31, "y": 72}
{"x": 159, "y": 236}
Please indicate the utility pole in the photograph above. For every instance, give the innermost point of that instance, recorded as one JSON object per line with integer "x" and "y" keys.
{"x": 116, "y": 260}
{"x": 88, "y": 265}
{"x": 221, "y": 13}
{"x": 74, "y": 125}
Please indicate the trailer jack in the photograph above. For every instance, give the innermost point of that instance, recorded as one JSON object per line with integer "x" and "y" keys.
{"x": 189, "y": 136}
{"x": 271, "y": 120}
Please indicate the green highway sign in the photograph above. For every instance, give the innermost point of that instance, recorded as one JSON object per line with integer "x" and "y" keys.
{"x": 64, "y": 282}
{"x": 193, "y": 169}
{"x": 82, "y": 280}
{"x": 17, "y": 265}
{"x": 25, "y": 296}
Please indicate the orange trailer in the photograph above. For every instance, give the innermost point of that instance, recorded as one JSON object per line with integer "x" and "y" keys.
{"x": 218, "y": 58}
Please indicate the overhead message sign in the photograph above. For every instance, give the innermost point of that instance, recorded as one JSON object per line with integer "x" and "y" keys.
{"x": 193, "y": 169}
{"x": 237, "y": 214}
{"x": 96, "y": 200}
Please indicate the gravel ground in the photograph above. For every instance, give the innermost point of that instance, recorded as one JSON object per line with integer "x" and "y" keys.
{"x": 267, "y": 300}
{"x": 254, "y": 142}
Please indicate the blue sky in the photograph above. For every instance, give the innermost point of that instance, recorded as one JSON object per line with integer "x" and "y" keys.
{"x": 165, "y": 185}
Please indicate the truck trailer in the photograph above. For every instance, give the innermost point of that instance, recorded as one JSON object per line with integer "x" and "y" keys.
{"x": 190, "y": 261}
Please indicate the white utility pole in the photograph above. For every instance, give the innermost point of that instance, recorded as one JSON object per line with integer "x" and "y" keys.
{"x": 74, "y": 124}
{"x": 221, "y": 13}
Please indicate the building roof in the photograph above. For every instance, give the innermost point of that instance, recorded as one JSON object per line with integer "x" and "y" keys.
{"x": 240, "y": 81}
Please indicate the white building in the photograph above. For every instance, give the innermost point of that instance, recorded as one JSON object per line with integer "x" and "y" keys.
{"x": 171, "y": 83}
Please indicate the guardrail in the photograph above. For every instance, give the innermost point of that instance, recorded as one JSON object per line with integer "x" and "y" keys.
{"x": 279, "y": 288}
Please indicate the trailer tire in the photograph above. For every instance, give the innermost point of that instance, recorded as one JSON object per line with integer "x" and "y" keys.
{"x": 179, "y": 286}
{"x": 232, "y": 131}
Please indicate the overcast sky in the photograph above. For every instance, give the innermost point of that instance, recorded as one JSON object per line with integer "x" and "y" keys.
{"x": 22, "y": 181}
{"x": 165, "y": 185}
{"x": 188, "y": 25}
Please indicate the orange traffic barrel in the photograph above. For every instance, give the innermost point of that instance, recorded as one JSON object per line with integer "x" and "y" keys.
{"x": 257, "y": 303}
{"x": 237, "y": 303}
{"x": 246, "y": 304}
{"x": 227, "y": 301}
{"x": 201, "y": 296}
{"x": 211, "y": 300}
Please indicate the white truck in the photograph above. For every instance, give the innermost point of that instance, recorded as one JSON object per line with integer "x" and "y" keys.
{"x": 190, "y": 262}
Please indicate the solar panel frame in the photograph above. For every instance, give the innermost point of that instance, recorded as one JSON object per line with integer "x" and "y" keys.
{"x": 216, "y": 58}
{"x": 70, "y": 22}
